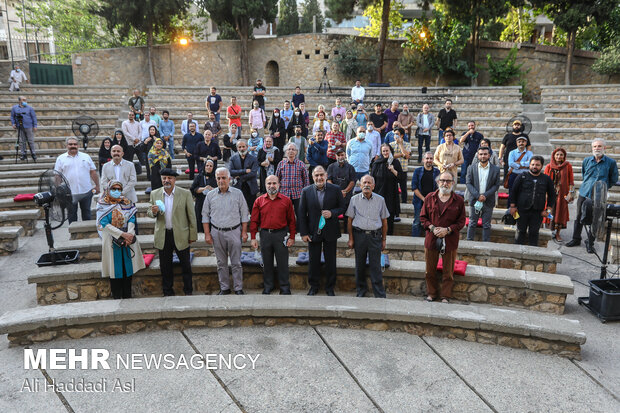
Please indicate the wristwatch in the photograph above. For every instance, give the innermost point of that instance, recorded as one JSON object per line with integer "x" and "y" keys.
{"x": 431, "y": 227}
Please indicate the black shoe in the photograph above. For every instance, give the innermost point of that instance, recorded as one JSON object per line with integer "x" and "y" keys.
{"x": 34, "y": 157}
{"x": 396, "y": 219}
{"x": 573, "y": 243}
{"x": 285, "y": 291}
{"x": 224, "y": 292}
{"x": 590, "y": 247}
{"x": 419, "y": 159}
{"x": 239, "y": 292}
{"x": 330, "y": 293}
{"x": 313, "y": 291}
{"x": 267, "y": 292}
{"x": 361, "y": 295}
{"x": 22, "y": 158}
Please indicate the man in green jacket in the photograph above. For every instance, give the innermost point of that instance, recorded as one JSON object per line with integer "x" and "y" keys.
{"x": 173, "y": 207}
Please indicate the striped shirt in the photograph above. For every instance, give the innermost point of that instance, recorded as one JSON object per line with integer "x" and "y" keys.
{"x": 293, "y": 178}
{"x": 367, "y": 213}
{"x": 225, "y": 209}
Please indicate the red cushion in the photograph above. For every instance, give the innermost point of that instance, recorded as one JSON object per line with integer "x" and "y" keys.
{"x": 23, "y": 197}
{"x": 341, "y": 216}
{"x": 459, "y": 266}
{"x": 148, "y": 258}
{"x": 479, "y": 222}
{"x": 187, "y": 171}
{"x": 503, "y": 195}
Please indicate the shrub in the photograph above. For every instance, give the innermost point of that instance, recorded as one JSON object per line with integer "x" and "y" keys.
{"x": 609, "y": 62}
{"x": 354, "y": 60}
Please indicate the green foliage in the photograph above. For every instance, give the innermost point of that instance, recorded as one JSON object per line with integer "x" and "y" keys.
{"x": 501, "y": 72}
{"x": 396, "y": 22}
{"x": 520, "y": 23}
{"x": 436, "y": 46}
{"x": 609, "y": 62}
{"x": 288, "y": 20}
{"x": 492, "y": 30}
{"x": 226, "y": 32}
{"x": 311, "y": 9}
{"x": 355, "y": 60}
{"x": 570, "y": 15}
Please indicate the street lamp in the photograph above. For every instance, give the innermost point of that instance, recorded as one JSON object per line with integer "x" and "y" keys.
{"x": 183, "y": 41}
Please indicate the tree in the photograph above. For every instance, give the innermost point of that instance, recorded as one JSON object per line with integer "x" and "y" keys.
{"x": 340, "y": 10}
{"x": 148, "y": 16}
{"x": 571, "y": 15}
{"x": 243, "y": 15}
{"x": 355, "y": 59}
{"x": 288, "y": 20}
{"x": 475, "y": 13}
{"x": 311, "y": 11}
{"x": 520, "y": 24}
{"x": 436, "y": 46}
{"x": 609, "y": 62}
{"x": 373, "y": 13}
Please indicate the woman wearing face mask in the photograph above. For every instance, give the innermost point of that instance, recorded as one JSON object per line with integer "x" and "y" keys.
{"x": 159, "y": 159}
{"x": 104, "y": 152}
{"x": 257, "y": 118}
{"x": 121, "y": 255}
{"x": 255, "y": 142}
{"x": 203, "y": 183}
{"x": 349, "y": 126}
{"x": 297, "y": 119}
{"x": 386, "y": 170}
{"x": 277, "y": 130}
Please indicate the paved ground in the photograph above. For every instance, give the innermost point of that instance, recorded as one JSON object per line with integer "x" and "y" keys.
{"x": 319, "y": 369}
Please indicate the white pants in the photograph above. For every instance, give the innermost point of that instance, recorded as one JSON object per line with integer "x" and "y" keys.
{"x": 14, "y": 86}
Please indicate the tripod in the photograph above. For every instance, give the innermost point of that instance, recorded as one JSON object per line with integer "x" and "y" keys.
{"x": 324, "y": 83}
{"x": 21, "y": 134}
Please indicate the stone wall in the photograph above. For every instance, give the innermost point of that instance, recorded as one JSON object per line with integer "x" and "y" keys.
{"x": 300, "y": 59}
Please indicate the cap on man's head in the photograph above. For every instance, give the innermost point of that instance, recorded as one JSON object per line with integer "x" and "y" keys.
{"x": 168, "y": 172}
{"x": 521, "y": 138}
{"x": 339, "y": 150}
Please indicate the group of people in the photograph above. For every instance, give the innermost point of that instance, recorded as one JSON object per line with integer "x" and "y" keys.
{"x": 278, "y": 182}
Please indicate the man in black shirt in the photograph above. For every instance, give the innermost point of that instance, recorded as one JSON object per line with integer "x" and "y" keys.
{"x": 509, "y": 143}
{"x": 422, "y": 184}
{"x": 259, "y": 94}
{"x": 207, "y": 150}
{"x": 343, "y": 174}
{"x": 136, "y": 104}
{"x": 531, "y": 191}
{"x": 213, "y": 102}
{"x": 379, "y": 120}
{"x": 446, "y": 119}
{"x": 298, "y": 98}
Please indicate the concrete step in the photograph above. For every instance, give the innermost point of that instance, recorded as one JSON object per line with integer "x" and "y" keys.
{"x": 9, "y": 238}
{"x": 25, "y": 218}
{"x": 520, "y": 329}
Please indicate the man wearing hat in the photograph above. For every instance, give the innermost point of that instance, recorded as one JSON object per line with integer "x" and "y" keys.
{"x": 175, "y": 228}
{"x": 518, "y": 160}
{"x": 509, "y": 144}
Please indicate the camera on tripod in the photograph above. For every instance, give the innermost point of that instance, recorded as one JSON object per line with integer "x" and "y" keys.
{"x": 20, "y": 119}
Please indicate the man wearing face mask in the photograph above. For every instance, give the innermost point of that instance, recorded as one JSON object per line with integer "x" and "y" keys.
{"x": 367, "y": 228}
{"x": 531, "y": 191}
{"x": 373, "y": 137}
{"x": 16, "y": 77}
{"x": 482, "y": 183}
{"x": 24, "y": 120}
{"x": 319, "y": 208}
{"x": 360, "y": 153}
{"x": 244, "y": 169}
{"x": 274, "y": 214}
{"x": 343, "y": 174}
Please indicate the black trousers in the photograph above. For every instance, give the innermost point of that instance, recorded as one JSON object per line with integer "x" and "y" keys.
{"x": 402, "y": 183}
{"x": 423, "y": 141}
{"x": 273, "y": 243}
{"x": 248, "y": 196}
{"x": 191, "y": 162}
{"x": 390, "y": 224}
{"x": 128, "y": 154}
{"x": 529, "y": 222}
{"x": 120, "y": 287}
{"x": 314, "y": 266}
{"x": 367, "y": 245}
{"x": 296, "y": 207}
{"x": 165, "y": 265}
{"x": 577, "y": 228}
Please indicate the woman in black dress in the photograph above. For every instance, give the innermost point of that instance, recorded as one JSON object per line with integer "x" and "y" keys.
{"x": 230, "y": 143}
{"x": 203, "y": 183}
{"x": 104, "y": 152}
{"x": 268, "y": 158}
{"x": 277, "y": 127}
{"x": 386, "y": 170}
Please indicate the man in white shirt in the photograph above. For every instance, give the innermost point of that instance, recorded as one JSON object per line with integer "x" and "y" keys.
{"x": 357, "y": 93}
{"x": 184, "y": 128}
{"x": 120, "y": 170}
{"x": 145, "y": 125}
{"x": 374, "y": 138}
{"x": 133, "y": 134}
{"x": 16, "y": 77}
{"x": 79, "y": 169}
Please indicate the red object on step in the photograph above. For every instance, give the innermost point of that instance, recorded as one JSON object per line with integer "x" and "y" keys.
{"x": 502, "y": 195}
{"x": 148, "y": 258}
{"x": 479, "y": 222}
{"x": 459, "y": 266}
{"x": 187, "y": 171}
{"x": 341, "y": 216}
{"x": 23, "y": 197}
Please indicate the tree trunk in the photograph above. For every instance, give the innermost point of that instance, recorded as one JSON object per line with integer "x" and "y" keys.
{"x": 243, "y": 30}
{"x": 475, "y": 46}
{"x": 149, "y": 55}
{"x": 570, "y": 44}
{"x": 385, "y": 24}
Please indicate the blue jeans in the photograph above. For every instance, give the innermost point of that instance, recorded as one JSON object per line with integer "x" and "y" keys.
{"x": 84, "y": 201}
{"x": 416, "y": 228}
{"x": 464, "y": 167}
{"x": 217, "y": 117}
{"x": 440, "y": 136}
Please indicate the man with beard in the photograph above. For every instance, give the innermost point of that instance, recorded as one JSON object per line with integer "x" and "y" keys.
{"x": 367, "y": 228}
{"x": 423, "y": 183}
{"x": 120, "y": 170}
{"x": 343, "y": 174}
{"x": 597, "y": 167}
{"x": 207, "y": 149}
{"x": 509, "y": 144}
{"x": 319, "y": 208}
{"x": 443, "y": 216}
{"x": 531, "y": 191}
{"x": 273, "y": 213}
{"x": 293, "y": 175}
{"x": 244, "y": 169}
{"x": 175, "y": 229}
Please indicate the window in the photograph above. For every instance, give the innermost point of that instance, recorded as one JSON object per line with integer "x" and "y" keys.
{"x": 4, "y": 51}
{"x": 44, "y": 50}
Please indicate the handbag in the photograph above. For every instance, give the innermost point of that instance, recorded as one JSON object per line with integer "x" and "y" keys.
{"x": 510, "y": 170}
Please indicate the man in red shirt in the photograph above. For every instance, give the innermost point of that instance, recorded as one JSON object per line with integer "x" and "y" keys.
{"x": 273, "y": 213}
{"x": 233, "y": 114}
{"x": 442, "y": 216}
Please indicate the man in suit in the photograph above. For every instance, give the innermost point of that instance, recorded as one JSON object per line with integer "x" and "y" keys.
{"x": 120, "y": 170}
{"x": 175, "y": 229}
{"x": 482, "y": 184}
{"x": 320, "y": 200}
{"x": 243, "y": 170}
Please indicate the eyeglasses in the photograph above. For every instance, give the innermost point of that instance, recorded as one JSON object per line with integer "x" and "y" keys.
{"x": 445, "y": 181}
